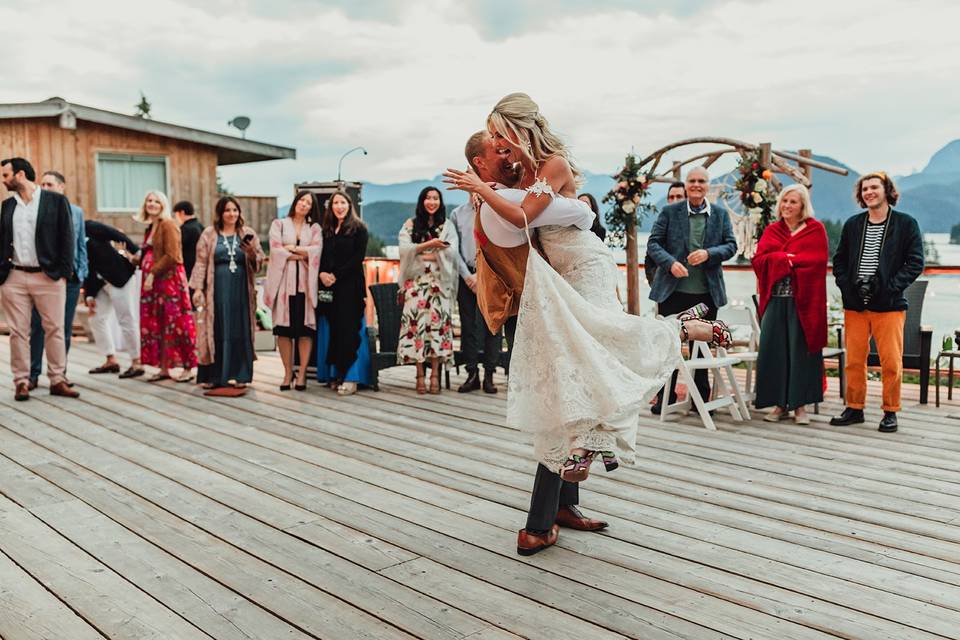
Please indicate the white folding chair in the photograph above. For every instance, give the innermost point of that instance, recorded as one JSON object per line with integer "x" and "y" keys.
{"x": 702, "y": 358}
{"x": 745, "y": 326}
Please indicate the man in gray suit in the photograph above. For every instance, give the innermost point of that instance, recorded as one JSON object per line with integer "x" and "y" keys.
{"x": 689, "y": 241}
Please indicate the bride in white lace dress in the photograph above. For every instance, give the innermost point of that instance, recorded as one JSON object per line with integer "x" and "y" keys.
{"x": 581, "y": 368}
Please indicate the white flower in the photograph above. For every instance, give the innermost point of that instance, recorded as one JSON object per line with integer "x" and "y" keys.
{"x": 760, "y": 186}
{"x": 636, "y": 199}
{"x": 754, "y": 211}
{"x": 755, "y": 217}
{"x": 757, "y": 197}
{"x": 628, "y": 207}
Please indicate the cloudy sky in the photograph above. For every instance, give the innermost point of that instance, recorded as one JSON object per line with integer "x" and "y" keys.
{"x": 872, "y": 83}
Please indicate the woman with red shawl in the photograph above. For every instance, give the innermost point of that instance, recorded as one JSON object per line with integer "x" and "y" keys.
{"x": 791, "y": 268}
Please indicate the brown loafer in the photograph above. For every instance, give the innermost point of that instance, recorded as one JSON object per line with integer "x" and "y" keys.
{"x": 22, "y": 393}
{"x": 105, "y": 368}
{"x": 63, "y": 389}
{"x": 569, "y": 516}
{"x": 531, "y": 543}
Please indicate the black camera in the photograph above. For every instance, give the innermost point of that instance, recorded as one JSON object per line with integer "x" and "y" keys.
{"x": 866, "y": 287}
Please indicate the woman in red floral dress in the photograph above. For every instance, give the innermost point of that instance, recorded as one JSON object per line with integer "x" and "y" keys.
{"x": 168, "y": 336}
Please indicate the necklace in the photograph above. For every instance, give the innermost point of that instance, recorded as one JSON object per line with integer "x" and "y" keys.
{"x": 231, "y": 251}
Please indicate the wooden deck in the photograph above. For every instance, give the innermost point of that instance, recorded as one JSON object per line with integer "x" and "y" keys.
{"x": 148, "y": 511}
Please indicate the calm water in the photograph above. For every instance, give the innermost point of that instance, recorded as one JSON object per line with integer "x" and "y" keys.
{"x": 941, "y": 307}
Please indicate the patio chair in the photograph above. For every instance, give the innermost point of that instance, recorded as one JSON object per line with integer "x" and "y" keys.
{"x": 385, "y": 337}
{"x": 722, "y": 366}
{"x": 917, "y": 339}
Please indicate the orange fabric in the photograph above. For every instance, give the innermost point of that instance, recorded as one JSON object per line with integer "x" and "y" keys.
{"x": 886, "y": 328}
{"x": 500, "y": 275}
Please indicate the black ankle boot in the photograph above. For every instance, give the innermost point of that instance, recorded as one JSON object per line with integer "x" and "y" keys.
{"x": 889, "y": 422}
{"x": 472, "y": 383}
{"x": 848, "y": 417}
{"x": 488, "y": 385}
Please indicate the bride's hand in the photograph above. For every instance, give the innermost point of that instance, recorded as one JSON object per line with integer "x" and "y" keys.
{"x": 464, "y": 181}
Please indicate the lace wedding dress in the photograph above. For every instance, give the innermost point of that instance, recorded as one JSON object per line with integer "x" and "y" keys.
{"x": 582, "y": 368}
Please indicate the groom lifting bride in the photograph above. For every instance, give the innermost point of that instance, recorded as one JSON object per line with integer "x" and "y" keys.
{"x": 582, "y": 368}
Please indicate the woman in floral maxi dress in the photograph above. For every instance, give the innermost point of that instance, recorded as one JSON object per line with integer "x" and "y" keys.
{"x": 428, "y": 286}
{"x": 167, "y": 334}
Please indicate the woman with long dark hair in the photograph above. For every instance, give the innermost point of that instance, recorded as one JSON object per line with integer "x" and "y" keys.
{"x": 224, "y": 293}
{"x": 598, "y": 229}
{"x": 428, "y": 283}
{"x": 342, "y": 356}
{"x": 292, "y": 278}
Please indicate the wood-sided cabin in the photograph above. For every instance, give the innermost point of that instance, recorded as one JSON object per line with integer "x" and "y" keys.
{"x": 110, "y": 160}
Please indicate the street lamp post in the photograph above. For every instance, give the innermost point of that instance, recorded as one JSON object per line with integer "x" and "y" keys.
{"x": 340, "y": 163}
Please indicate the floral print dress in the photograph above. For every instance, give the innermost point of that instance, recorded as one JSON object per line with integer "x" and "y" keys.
{"x": 168, "y": 336}
{"x": 427, "y": 289}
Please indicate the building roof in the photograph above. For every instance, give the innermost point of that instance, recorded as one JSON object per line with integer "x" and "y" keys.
{"x": 230, "y": 149}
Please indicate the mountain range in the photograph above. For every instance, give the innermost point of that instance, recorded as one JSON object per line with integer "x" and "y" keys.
{"x": 929, "y": 195}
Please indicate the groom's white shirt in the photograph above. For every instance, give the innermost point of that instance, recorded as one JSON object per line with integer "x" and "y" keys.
{"x": 562, "y": 211}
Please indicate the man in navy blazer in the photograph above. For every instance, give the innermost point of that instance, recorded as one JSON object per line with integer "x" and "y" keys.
{"x": 689, "y": 241}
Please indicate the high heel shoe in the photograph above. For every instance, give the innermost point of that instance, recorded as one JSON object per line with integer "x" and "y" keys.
{"x": 421, "y": 385}
{"x": 576, "y": 468}
{"x": 695, "y": 312}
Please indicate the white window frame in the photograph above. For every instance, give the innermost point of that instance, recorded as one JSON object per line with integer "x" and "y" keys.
{"x": 129, "y": 154}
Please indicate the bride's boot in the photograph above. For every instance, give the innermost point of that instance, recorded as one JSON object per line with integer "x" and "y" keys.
{"x": 698, "y": 310}
{"x": 713, "y": 332}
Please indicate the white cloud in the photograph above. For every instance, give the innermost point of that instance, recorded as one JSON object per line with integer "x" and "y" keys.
{"x": 871, "y": 83}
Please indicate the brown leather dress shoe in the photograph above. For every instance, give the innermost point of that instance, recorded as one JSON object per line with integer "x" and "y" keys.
{"x": 569, "y": 516}
{"x": 63, "y": 389}
{"x": 22, "y": 393}
{"x": 531, "y": 543}
{"x": 32, "y": 385}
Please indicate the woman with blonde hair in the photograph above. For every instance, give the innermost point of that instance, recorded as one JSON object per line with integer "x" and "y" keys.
{"x": 791, "y": 268}
{"x": 582, "y": 368}
{"x": 167, "y": 333}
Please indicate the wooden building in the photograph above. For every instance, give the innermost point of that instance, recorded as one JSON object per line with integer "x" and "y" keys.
{"x": 110, "y": 160}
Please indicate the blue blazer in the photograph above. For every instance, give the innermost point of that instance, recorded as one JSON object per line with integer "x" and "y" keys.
{"x": 670, "y": 242}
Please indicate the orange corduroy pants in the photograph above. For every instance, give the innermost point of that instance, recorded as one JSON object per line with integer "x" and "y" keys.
{"x": 886, "y": 328}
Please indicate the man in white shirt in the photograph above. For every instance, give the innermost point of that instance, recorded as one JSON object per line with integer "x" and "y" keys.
{"x": 36, "y": 259}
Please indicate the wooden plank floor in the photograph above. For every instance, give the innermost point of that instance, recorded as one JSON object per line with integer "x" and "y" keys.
{"x": 149, "y": 511}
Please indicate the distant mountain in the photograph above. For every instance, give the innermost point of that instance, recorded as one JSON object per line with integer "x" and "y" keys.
{"x": 409, "y": 191}
{"x": 930, "y": 195}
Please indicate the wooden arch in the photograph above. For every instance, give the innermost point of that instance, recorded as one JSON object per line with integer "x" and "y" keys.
{"x": 780, "y": 162}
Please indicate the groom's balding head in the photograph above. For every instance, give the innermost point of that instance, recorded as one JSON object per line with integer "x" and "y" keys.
{"x": 483, "y": 158}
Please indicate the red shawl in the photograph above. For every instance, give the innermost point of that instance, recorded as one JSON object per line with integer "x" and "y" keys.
{"x": 808, "y": 274}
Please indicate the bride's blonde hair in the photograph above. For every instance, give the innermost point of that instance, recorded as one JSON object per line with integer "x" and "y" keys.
{"x": 517, "y": 117}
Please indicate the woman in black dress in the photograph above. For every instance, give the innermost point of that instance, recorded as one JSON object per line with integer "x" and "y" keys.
{"x": 342, "y": 278}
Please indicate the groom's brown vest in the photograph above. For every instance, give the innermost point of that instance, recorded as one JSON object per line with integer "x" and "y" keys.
{"x": 500, "y": 274}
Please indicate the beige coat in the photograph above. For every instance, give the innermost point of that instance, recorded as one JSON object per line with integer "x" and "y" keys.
{"x": 202, "y": 279}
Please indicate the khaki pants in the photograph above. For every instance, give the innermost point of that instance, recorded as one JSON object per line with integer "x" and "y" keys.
{"x": 886, "y": 327}
{"x": 22, "y": 292}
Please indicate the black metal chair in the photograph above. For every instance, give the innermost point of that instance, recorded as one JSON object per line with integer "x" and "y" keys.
{"x": 385, "y": 337}
{"x": 917, "y": 339}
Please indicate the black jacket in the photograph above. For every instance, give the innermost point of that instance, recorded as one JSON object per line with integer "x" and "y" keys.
{"x": 190, "y": 233}
{"x": 901, "y": 262}
{"x": 54, "y": 237}
{"x": 106, "y": 264}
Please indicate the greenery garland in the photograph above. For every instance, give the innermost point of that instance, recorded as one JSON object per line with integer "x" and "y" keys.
{"x": 628, "y": 199}
{"x": 757, "y": 193}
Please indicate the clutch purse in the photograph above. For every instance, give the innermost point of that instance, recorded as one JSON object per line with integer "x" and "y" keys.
{"x": 325, "y": 296}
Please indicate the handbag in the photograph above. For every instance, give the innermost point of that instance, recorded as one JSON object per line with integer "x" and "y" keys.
{"x": 325, "y": 296}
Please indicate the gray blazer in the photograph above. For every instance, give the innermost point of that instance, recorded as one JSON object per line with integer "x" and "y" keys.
{"x": 670, "y": 242}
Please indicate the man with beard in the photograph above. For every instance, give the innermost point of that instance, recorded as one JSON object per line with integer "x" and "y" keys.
{"x": 501, "y": 263}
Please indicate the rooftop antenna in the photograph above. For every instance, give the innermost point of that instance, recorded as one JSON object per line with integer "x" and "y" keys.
{"x": 241, "y": 123}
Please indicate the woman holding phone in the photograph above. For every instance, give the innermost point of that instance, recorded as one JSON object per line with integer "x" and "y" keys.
{"x": 428, "y": 287}
{"x": 228, "y": 258}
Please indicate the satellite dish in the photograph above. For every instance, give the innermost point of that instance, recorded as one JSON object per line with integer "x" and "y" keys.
{"x": 241, "y": 123}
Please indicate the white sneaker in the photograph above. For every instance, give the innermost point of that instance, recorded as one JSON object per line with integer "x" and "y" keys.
{"x": 347, "y": 389}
